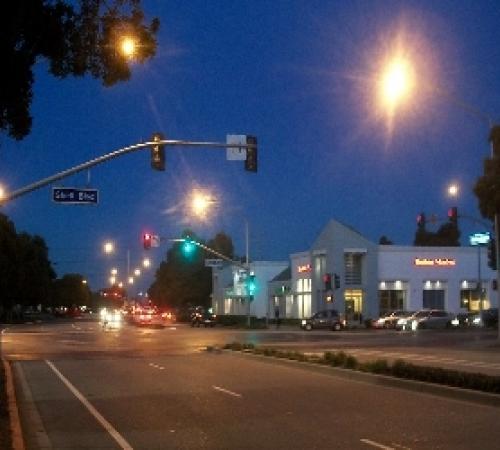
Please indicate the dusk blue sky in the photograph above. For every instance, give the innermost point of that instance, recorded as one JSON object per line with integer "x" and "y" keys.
{"x": 299, "y": 75}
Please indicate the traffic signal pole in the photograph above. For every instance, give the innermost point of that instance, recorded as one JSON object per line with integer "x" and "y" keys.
{"x": 9, "y": 196}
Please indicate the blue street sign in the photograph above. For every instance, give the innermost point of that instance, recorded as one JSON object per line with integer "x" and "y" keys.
{"x": 75, "y": 196}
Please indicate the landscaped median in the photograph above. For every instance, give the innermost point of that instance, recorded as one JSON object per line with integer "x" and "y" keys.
{"x": 399, "y": 369}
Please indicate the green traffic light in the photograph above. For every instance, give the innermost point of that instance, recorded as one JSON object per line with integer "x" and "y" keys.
{"x": 188, "y": 247}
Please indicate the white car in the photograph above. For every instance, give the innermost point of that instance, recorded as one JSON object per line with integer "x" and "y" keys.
{"x": 426, "y": 318}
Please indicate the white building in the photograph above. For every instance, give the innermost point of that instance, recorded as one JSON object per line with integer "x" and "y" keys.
{"x": 375, "y": 278}
{"x": 230, "y": 295}
{"x": 371, "y": 278}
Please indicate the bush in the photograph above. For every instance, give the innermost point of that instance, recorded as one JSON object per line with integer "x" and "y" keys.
{"x": 399, "y": 368}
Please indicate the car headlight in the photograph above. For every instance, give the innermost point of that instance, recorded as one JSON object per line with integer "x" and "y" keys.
{"x": 476, "y": 320}
{"x": 455, "y": 322}
{"x": 304, "y": 322}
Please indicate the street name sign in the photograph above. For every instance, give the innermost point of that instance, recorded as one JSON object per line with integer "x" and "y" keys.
{"x": 479, "y": 238}
{"x": 75, "y": 196}
{"x": 213, "y": 262}
{"x": 236, "y": 153}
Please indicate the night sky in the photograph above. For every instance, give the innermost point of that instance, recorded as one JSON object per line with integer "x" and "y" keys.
{"x": 299, "y": 75}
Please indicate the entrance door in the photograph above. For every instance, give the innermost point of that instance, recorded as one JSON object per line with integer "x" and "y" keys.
{"x": 353, "y": 304}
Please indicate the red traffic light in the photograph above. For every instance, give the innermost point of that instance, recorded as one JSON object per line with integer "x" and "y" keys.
{"x": 146, "y": 240}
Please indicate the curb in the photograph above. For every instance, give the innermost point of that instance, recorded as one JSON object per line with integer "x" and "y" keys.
{"x": 467, "y": 395}
{"x": 15, "y": 422}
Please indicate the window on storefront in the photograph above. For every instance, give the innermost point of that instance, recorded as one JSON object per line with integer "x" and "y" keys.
{"x": 353, "y": 265}
{"x": 391, "y": 300}
{"x": 289, "y": 312}
{"x": 304, "y": 297}
{"x": 433, "y": 299}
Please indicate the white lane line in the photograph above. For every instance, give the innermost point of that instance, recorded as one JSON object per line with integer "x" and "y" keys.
{"x": 106, "y": 425}
{"x": 376, "y": 444}
{"x": 234, "y": 394}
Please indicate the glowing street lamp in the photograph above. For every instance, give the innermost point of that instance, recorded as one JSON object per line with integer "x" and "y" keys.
{"x": 453, "y": 190}
{"x": 2, "y": 192}
{"x": 200, "y": 203}
{"x": 130, "y": 280}
{"x": 112, "y": 280}
{"x": 396, "y": 83}
{"x": 128, "y": 46}
{"x": 109, "y": 247}
{"x": 114, "y": 271}
{"x": 146, "y": 262}
{"x": 137, "y": 272}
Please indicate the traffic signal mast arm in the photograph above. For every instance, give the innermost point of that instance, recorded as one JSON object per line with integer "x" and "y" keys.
{"x": 211, "y": 250}
{"x": 108, "y": 156}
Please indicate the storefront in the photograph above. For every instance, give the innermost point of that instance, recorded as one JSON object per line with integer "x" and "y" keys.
{"x": 345, "y": 271}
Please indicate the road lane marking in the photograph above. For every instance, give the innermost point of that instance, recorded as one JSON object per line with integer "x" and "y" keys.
{"x": 376, "y": 444}
{"x": 98, "y": 416}
{"x": 156, "y": 366}
{"x": 234, "y": 394}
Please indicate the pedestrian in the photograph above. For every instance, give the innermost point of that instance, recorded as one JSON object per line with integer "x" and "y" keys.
{"x": 277, "y": 316}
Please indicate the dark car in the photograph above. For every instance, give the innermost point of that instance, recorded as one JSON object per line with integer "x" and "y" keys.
{"x": 330, "y": 319}
{"x": 202, "y": 316}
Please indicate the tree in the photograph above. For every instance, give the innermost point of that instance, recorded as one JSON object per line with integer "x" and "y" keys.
{"x": 223, "y": 244}
{"x": 384, "y": 240}
{"x": 487, "y": 187}
{"x": 448, "y": 235}
{"x": 70, "y": 290}
{"x": 182, "y": 281}
{"x": 74, "y": 41}
{"x": 26, "y": 273}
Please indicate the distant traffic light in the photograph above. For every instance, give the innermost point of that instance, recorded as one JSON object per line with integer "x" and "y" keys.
{"x": 492, "y": 254}
{"x": 327, "y": 281}
{"x": 453, "y": 215}
{"x": 337, "y": 281}
{"x": 158, "y": 152}
{"x": 421, "y": 220}
{"x": 146, "y": 241}
{"x": 188, "y": 246}
{"x": 251, "y": 158}
{"x": 251, "y": 285}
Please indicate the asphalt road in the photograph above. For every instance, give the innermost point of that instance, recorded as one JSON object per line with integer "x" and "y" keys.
{"x": 83, "y": 387}
{"x": 470, "y": 350}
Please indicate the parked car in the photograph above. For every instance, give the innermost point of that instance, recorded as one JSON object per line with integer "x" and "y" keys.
{"x": 324, "y": 319}
{"x": 426, "y": 318}
{"x": 390, "y": 319}
{"x": 203, "y": 316}
{"x": 467, "y": 319}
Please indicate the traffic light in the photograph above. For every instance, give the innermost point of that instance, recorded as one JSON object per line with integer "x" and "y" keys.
{"x": 188, "y": 246}
{"x": 421, "y": 220}
{"x": 327, "y": 280}
{"x": 146, "y": 241}
{"x": 158, "y": 152}
{"x": 492, "y": 254}
{"x": 251, "y": 158}
{"x": 453, "y": 215}
{"x": 337, "y": 281}
{"x": 251, "y": 285}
